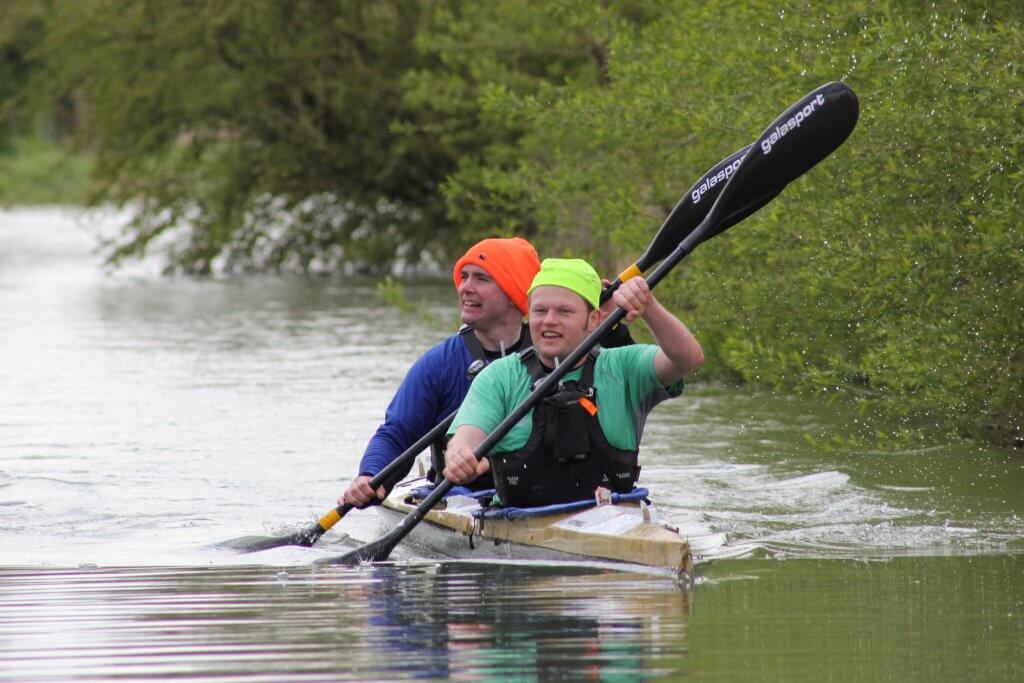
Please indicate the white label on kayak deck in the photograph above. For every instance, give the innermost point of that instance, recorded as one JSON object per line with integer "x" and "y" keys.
{"x": 604, "y": 519}
{"x": 458, "y": 502}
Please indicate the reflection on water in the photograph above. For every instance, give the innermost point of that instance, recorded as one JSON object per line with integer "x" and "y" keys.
{"x": 902, "y": 619}
{"x": 455, "y": 621}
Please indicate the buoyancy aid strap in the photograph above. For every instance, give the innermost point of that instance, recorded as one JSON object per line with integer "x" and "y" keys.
{"x": 560, "y": 427}
{"x": 531, "y": 360}
{"x": 479, "y": 354}
{"x": 526, "y": 342}
{"x": 473, "y": 345}
{"x": 479, "y": 362}
{"x": 476, "y": 352}
{"x": 586, "y": 381}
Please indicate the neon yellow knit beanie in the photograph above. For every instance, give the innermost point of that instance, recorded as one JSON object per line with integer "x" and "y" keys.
{"x": 573, "y": 274}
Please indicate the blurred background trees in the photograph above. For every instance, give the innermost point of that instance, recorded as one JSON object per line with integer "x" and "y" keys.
{"x": 339, "y": 135}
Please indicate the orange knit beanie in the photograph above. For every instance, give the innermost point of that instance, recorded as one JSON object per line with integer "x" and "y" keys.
{"x": 512, "y": 262}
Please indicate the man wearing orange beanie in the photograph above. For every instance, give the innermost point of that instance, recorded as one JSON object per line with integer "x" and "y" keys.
{"x": 508, "y": 265}
{"x": 491, "y": 279}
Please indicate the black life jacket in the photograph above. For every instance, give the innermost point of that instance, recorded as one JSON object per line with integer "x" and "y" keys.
{"x": 567, "y": 455}
{"x": 480, "y": 360}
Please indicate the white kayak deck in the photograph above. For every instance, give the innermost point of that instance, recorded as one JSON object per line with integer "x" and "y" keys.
{"x": 627, "y": 533}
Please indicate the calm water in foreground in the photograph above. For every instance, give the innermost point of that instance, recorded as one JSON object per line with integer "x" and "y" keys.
{"x": 143, "y": 419}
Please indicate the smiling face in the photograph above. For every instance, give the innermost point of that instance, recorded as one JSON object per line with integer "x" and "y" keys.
{"x": 559, "y": 320}
{"x": 481, "y": 301}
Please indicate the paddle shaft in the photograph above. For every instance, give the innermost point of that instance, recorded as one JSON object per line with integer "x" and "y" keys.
{"x": 334, "y": 516}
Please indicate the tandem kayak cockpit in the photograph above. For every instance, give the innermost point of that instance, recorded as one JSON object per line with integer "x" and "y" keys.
{"x": 622, "y": 529}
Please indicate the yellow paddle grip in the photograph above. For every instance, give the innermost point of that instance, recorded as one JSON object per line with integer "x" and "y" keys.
{"x": 329, "y": 520}
{"x": 630, "y": 272}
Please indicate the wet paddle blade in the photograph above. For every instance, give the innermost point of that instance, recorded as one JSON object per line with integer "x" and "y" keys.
{"x": 252, "y": 544}
{"x": 377, "y": 551}
{"x": 687, "y": 214}
{"x": 800, "y": 138}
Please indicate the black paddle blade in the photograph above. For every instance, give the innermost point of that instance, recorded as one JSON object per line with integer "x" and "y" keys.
{"x": 377, "y": 551}
{"x": 739, "y": 214}
{"x": 794, "y": 143}
{"x": 688, "y": 213}
{"x": 691, "y": 209}
{"x": 305, "y": 537}
{"x": 808, "y": 131}
{"x": 253, "y": 544}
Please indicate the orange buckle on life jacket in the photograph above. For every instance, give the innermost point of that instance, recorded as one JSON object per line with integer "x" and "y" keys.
{"x": 588, "y": 405}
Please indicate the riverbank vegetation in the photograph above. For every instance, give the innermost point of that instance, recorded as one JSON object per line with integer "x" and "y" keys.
{"x": 323, "y": 135}
{"x": 36, "y": 170}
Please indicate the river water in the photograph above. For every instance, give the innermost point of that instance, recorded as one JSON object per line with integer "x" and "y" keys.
{"x": 143, "y": 419}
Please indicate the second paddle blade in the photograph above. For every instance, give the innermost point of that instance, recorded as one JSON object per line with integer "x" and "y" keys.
{"x": 253, "y": 544}
{"x": 376, "y": 551}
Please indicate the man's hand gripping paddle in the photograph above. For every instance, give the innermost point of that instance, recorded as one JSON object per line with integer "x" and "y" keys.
{"x": 793, "y": 144}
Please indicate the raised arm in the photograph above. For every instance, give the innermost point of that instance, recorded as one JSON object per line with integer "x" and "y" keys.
{"x": 679, "y": 351}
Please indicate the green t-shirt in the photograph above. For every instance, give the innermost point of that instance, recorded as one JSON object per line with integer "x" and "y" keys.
{"x": 627, "y": 390}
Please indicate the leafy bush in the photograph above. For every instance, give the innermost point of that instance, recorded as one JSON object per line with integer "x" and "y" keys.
{"x": 892, "y": 273}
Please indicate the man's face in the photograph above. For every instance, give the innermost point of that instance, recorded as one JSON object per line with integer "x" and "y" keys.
{"x": 481, "y": 301}
{"x": 559, "y": 321}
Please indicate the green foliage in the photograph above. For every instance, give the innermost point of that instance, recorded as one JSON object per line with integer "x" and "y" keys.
{"x": 493, "y": 56}
{"x": 306, "y": 135}
{"x": 258, "y": 133}
{"x": 317, "y": 135}
{"x": 35, "y": 171}
{"x": 892, "y": 274}
{"x": 21, "y": 28}
{"x": 391, "y": 292}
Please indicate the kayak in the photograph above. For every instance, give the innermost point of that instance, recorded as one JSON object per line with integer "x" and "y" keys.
{"x": 626, "y": 532}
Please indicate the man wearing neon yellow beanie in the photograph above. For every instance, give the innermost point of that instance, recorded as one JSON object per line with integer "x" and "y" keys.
{"x": 587, "y": 433}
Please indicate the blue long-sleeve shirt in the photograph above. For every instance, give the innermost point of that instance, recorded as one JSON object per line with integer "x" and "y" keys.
{"x": 431, "y": 391}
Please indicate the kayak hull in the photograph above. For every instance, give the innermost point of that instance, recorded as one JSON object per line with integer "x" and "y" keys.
{"x": 624, "y": 533}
